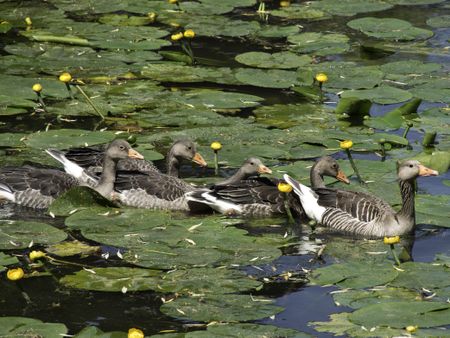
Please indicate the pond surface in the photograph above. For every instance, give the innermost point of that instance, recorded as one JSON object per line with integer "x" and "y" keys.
{"x": 249, "y": 83}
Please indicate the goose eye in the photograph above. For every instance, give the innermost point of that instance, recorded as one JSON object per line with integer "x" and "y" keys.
{"x": 189, "y": 148}
{"x": 251, "y": 163}
{"x": 121, "y": 147}
{"x": 411, "y": 166}
{"x": 334, "y": 166}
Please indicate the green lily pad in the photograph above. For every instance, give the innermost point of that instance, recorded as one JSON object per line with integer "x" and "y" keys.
{"x": 214, "y": 99}
{"x": 410, "y": 67}
{"x": 7, "y": 260}
{"x": 354, "y": 275}
{"x": 381, "y": 95}
{"x": 19, "y": 234}
{"x": 22, "y": 327}
{"x": 281, "y": 60}
{"x": 435, "y": 90}
{"x": 442, "y": 21}
{"x": 112, "y": 279}
{"x": 416, "y": 275}
{"x": 402, "y": 314}
{"x": 299, "y": 11}
{"x": 415, "y": 2}
{"x": 319, "y": 43}
{"x": 350, "y": 7}
{"x": 272, "y": 31}
{"x": 72, "y": 248}
{"x": 395, "y": 118}
{"x": 389, "y": 28}
{"x": 437, "y": 160}
{"x": 272, "y": 78}
{"x": 221, "y": 308}
{"x": 433, "y": 209}
{"x": 95, "y": 332}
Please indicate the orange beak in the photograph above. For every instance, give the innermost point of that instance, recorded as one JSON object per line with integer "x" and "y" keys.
{"x": 199, "y": 160}
{"x": 134, "y": 154}
{"x": 424, "y": 171}
{"x": 342, "y": 177}
{"x": 262, "y": 169}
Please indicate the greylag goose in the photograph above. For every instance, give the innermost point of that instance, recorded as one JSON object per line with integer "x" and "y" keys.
{"x": 92, "y": 158}
{"x": 363, "y": 214}
{"x": 38, "y": 187}
{"x": 260, "y": 196}
{"x": 155, "y": 190}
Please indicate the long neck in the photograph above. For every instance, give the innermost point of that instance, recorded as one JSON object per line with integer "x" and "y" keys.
{"x": 237, "y": 177}
{"x": 172, "y": 164}
{"x": 407, "y": 190}
{"x": 106, "y": 184}
{"x": 316, "y": 177}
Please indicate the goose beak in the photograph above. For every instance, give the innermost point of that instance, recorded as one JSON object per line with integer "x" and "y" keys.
{"x": 134, "y": 154}
{"x": 199, "y": 160}
{"x": 424, "y": 171}
{"x": 262, "y": 169}
{"x": 342, "y": 177}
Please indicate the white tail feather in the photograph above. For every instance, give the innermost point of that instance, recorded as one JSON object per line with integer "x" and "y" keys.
{"x": 217, "y": 204}
{"x": 308, "y": 199}
{"x": 6, "y": 193}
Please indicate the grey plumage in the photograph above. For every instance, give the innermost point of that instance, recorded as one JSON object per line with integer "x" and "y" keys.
{"x": 363, "y": 214}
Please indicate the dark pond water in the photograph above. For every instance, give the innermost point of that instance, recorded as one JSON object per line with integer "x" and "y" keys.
{"x": 302, "y": 303}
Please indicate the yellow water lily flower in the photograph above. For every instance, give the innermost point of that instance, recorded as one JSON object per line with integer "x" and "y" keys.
{"x": 285, "y": 3}
{"x": 412, "y": 328}
{"x": 189, "y": 34}
{"x": 391, "y": 240}
{"x": 28, "y": 21}
{"x": 346, "y": 144}
{"x": 172, "y": 1}
{"x": 36, "y": 255}
{"x": 177, "y": 36}
{"x": 37, "y": 88}
{"x": 321, "y": 78}
{"x": 151, "y": 16}
{"x": 216, "y": 146}
{"x": 284, "y": 187}
{"x": 65, "y": 77}
{"x": 15, "y": 274}
{"x": 135, "y": 333}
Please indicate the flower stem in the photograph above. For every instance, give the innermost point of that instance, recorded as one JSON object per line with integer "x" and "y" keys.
{"x": 216, "y": 163}
{"x": 383, "y": 151}
{"x": 90, "y": 102}
{"x": 355, "y": 169}
{"x": 41, "y": 102}
{"x": 69, "y": 90}
{"x": 405, "y": 132}
{"x": 288, "y": 210}
{"x": 394, "y": 254}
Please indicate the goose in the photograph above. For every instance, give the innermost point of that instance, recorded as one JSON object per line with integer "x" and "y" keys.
{"x": 154, "y": 190}
{"x": 92, "y": 158}
{"x": 38, "y": 187}
{"x": 260, "y": 196}
{"x": 363, "y": 214}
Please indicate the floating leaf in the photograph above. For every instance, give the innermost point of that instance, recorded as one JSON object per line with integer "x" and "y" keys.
{"x": 272, "y": 78}
{"x": 442, "y": 21}
{"x": 319, "y": 43}
{"x": 22, "y": 327}
{"x": 381, "y": 95}
{"x": 389, "y": 28}
{"x": 72, "y": 248}
{"x": 281, "y": 60}
{"x": 7, "y": 260}
{"x": 351, "y": 7}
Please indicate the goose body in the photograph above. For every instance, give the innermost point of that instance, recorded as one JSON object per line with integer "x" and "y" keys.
{"x": 260, "y": 196}
{"x": 38, "y": 187}
{"x": 363, "y": 214}
{"x": 91, "y": 158}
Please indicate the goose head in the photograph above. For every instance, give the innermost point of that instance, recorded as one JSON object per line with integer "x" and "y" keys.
{"x": 121, "y": 149}
{"x": 328, "y": 166}
{"x": 254, "y": 166}
{"x": 186, "y": 149}
{"x": 410, "y": 169}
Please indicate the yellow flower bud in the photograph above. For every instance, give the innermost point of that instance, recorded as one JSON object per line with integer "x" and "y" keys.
{"x": 346, "y": 144}
{"x": 15, "y": 274}
{"x": 284, "y": 187}
{"x": 37, "y": 87}
{"x": 135, "y": 333}
{"x": 321, "y": 78}
{"x": 391, "y": 240}
{"x": 189, "y": 34}
{"x": 216, "y": 146}
{"x": 412, "y": 328}
{"x": 36, "y": 255}
{"x": 65, "y": 77}
{"x": 176, "y": 37}
{"x": 173, "y": 2}
{"x": 285, "y": 3}
{"x": 28, "y": 21}
{"x": 151, "y": 16}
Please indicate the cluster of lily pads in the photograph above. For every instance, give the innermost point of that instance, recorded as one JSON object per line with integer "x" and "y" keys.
{"x": 261, "y": 99}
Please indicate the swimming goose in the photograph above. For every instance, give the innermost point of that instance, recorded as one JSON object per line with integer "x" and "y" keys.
{"x": 154, "y": 190}
{"x": 260, "y": 196}
{"x": 92, "y": 158}
{"x": 363, "y": 214}
{"x": 38, "y": 187}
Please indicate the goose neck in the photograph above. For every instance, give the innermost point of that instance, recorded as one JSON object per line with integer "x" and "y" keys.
{"x": 316, "y": 177}
{"x": 407, "y": 190}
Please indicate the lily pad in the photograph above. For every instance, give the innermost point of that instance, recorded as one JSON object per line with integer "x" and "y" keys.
{"x": 319, "y": 43}
{"x": 350, "y": 7}
{"x": 442, "y": 21}
{"x": 22, "y": 327}
{"x": 389, "y": 28}
{"x": 72, "y": 248}
{"x": 19, "y": 234}
{"x": 272, "y": 78}
{"x": 433, "y": 209}
{"x": 221, "y": 308}
{"x": 112, "y": 279}
{"x": 381, "y": 95}
{"x": 281, "y": 60}
{"x": 435, "y": 90}
{"x": 299, "y": 11}
{"x": 272, "y": 31}
{"x": 416, "y": 275}
{"x": 7, "y": 260}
